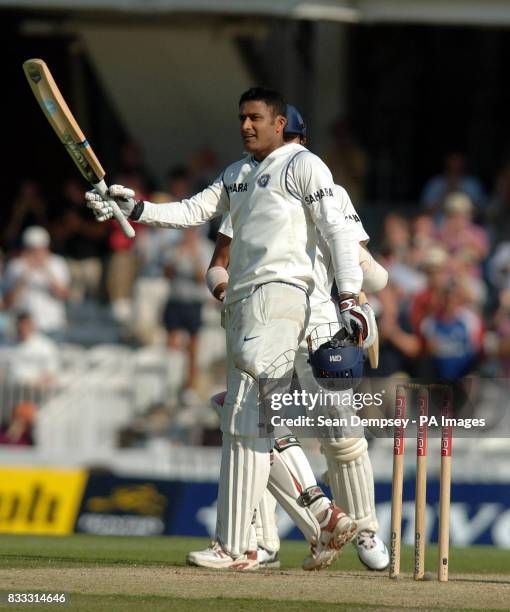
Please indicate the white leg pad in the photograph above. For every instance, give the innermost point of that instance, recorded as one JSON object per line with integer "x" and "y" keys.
{"x": 290, "y": 476}
{"x": 351, "y": 479}
{"x": 265, "y": 523}
{"x": 245, "y": 465}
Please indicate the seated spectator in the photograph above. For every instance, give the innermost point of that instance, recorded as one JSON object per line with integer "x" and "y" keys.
{"x": 459, "y": 234}
{"x": 435, "y": 267}
{"x": 37, "y": 282}
{"x": 452, "y": 179}
{"x": 186, "y": 266}
{"x": 81, "y": 241}
{"x": 31, "y": 358}
{"x": 19, "y": 430}
{"x": 29, "y": 208}
{"x": 453, "y": 335}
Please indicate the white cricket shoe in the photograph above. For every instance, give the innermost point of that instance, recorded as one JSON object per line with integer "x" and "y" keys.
{"x": 337, "y": 528}
{"x": 267, "y": 558}
{"x": 215, "y": 557}
{"x": 372, "y": 551}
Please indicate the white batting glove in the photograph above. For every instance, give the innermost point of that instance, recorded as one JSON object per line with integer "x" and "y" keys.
{"x": 123, "y": 196}
{"x": 358, "y": 319}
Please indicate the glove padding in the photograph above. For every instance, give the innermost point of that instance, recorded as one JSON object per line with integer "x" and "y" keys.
{"x": 358, "y": 319}
{"x": 102, "y": 209}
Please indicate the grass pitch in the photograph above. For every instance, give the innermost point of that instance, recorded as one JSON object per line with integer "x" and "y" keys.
{"x": 117, "y": 573}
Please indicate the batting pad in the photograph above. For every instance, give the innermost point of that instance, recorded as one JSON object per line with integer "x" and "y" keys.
{"x": 265, "y": 523}
{"x": 245, "y": 464}
{"x": 287, "y": 483}
{"x": 351, "y": 479}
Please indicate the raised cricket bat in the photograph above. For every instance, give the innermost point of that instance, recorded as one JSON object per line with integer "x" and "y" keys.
{"x": 373, "y": 351}
{"x": 67, "y": 129}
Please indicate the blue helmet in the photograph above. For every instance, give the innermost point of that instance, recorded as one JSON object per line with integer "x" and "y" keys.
{"x": 295, "y": 123}
{"x": 336, "y": 359}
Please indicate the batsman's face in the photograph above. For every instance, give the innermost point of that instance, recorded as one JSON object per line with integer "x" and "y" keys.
{"x": 261, "y": 129}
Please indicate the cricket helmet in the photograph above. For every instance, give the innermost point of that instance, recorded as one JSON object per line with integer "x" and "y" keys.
{"x": 335, "y": 357}
{"x": 295, "y": 123}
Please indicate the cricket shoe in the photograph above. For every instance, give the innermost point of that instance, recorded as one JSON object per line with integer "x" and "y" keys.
{"x": 215, "y": 557}
{"x": 372, "y": 551}
{"x": 320, "y": 558}
{"x": 267, "y": 558}
{"x": 337, "y": 528}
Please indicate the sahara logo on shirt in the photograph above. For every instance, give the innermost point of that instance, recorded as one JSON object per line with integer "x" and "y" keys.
{"x": 263, "y": 180}
{"x": 318, "y": 195}
{"x": 237, "y": 187}
{"x": 354, "y": 218}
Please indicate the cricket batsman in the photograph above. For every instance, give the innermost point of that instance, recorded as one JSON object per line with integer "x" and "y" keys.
{"x": 349, "y": 470}
{"x": 277, "y": 195}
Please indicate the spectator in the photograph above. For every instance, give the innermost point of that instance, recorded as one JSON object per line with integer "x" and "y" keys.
{"x": 32, "y": 358}
{"x": 19, "y": 431}
{"x": 453, "y": 179}
{"x": 82, "y": 241}
{"x": 186, "y": 267}
{"x": 453, "y": 335}
{"x": 29, "y": 208}
{"x": 435, "y": 266}
{"x": 459, "y": 234}
{"x": 37, "y": 282}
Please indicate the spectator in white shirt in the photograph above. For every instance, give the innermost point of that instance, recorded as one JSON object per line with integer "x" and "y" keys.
{"x": 32, "y": 358}
{"x": 37, "y": 282}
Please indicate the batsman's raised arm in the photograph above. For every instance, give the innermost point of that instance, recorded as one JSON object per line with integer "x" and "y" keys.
{"x": 211, "y": 202}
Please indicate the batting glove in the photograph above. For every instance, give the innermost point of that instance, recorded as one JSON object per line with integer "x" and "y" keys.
{"x": 358, "y": 320}
{"x": 102, "y": 209}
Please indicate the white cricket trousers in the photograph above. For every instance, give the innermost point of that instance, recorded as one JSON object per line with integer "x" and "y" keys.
{"x": 259, "y": 330}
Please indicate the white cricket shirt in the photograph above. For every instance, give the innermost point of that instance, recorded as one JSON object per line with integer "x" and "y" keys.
{"x": 274, "y": 206}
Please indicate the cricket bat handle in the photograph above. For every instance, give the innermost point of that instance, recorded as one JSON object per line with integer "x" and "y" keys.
{"x": 102, "y": 189}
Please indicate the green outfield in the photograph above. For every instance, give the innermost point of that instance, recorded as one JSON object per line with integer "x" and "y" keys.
{"x": 120, "y": 573}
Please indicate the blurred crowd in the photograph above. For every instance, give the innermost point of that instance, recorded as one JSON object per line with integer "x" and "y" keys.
{"x": 55, "y": 258}
{"x": 445, "y": 312}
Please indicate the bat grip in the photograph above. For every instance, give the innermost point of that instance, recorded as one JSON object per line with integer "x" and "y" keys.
{"x": 102, "y": 188}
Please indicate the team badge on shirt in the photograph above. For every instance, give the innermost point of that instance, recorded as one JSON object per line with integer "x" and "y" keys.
{"x": 263, "y": 180}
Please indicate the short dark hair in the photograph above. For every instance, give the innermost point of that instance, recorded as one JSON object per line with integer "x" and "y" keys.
{"x": 271, "y": 97}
